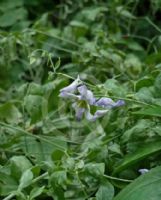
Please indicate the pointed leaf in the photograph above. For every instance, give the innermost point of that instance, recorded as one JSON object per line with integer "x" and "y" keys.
{"x": 152, "y": 111}
{"x": 105, "y": 191}
{"x": 26, "y": 179}
{"x": 147, "y": 187}
{"x": 35, "y": 192}
{"x": 138, "y": 155}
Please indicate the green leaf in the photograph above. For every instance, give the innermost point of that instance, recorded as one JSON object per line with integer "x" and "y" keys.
{"x": 125, "y": 13}
{"x": 42, "y": 150}
{"x": 57, "y": 64}
{"x": 92, "y": 13}
{"x": 7, "y": 4}
{"x": 9, "y": 113}
{"x": 78, "y": 24}
{"x": 19, "y": 164}
{"x": 134, "y": 46}
{"x": 140, "y": 154}
{"x": 138, "y": 130}
{"x": 57, "y": 155}
{"x": 35, "y": 89}
{"x": 32, "y": 60}
{"x": 114, "y": 87}
{"x": 58, "y": 178}
{"x": 10, "y": 17}
{"x": 36, "y": 107}
{"x": 7, "y": 184}
{"x": 147, "y": 187}
{"x": 150, "y": 111}
{"x": 95, "y": 169}
{"x": 35, "y": 192}
{"x": 157, "y": 84}
{"x": 105, "y": 191}
{"x": 144, "y": 82}
{"x": 26, "y": 179}
{"x": 145, "y": 94}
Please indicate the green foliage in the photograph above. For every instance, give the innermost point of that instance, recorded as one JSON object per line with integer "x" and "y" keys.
{"x": 144, "y": 187}
{"x": 105, "y": 191}
{"x": 45, "y": 153}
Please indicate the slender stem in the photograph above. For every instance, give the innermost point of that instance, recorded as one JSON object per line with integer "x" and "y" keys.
{"x": 55, "y": 36}
{"x": 32, "y": 135}
{"x": 154, "y": 25}
{"x": 117, "y": 179}
{"x": 40, "y": 177}
{"x": 82, "y": 186}
{"x": 132, "y": 11}
{"x": 151, "y": 44}
{"x": 51, "y": 62}
{"x": 59, "y": 48}
{"x": 9, "y": 196}
{"x": 65, "y": 75}
{"x": 138, "y": 37}
{"x": 70, "y": 77}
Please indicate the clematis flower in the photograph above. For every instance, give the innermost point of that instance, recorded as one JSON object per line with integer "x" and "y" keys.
{"x": 83, "y": 99}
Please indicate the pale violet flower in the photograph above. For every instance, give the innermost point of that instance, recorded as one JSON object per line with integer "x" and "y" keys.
{"x": 72, "y": 87}
{"x": 105, "y": 102}
{"x": 79, "y": 111}
{"x": 97, "y": 114}
{"x": 143, "y": 171}
{"x": 83, "y": 99}
{"x": 86, "y": 94}
{"x": 68, "y": 92}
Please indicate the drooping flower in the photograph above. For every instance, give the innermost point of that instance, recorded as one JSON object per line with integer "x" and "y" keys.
{"x": 83, "y": 99}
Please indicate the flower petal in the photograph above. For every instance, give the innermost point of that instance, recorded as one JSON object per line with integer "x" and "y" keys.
{"x": 88, "y": 115}
{"x": 97, "y": 114}
{"x": 67, "y": 95}
{"x": 100, "y": 113}
{"x": 143, "y": 171}
{"x": 72, "y": 87}
{"x": 78, "y": 111}
{"x": 109, "y": 103}
{"x": 119, "y": 103}
{"x": 90, "y": 97}
{"x": 105, "y": 102}
{"x": 86, "y": 94}
{"x": 82, "y": 90}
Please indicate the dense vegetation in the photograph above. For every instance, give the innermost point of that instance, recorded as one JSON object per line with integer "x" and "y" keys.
{"x": 114, "y": 48}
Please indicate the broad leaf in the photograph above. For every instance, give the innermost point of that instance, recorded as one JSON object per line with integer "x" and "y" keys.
{"x": 42, "y": 150}
{"x": 7, "y": 184}
{"x": 26, "y": 179}
{"x": 9, "y": 113}
{"x": 95, "y": 169}
{"x": 138, "y": 155}
{"x": 10, "y": 17}
{"x": 147, "y": 187}
{"x": 35, "y": 192}
{"x": 151, "y": 111}
{"x": 19, "y": 164}
{"x": 105, "y": 191}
